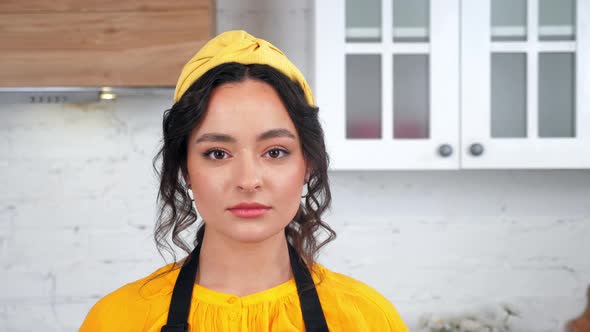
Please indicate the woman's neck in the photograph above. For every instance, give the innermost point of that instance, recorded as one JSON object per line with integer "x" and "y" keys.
{"x": 243, "y": 268}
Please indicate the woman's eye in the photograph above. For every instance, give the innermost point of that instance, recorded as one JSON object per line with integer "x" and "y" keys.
{"x": 276, "y": 153}
{"x": 218, "y": 154}
{"x": 215, "y": 154}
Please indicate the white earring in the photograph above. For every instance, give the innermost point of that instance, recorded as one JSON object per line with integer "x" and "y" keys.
{"x": 190, "y": 194}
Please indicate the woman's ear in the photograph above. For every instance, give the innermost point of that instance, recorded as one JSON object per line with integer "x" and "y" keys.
{"x": 187, "y": 180}
{"x": 308, "y": 170}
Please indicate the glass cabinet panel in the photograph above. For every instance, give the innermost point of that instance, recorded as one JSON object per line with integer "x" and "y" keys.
{"x": 363, "y": 20}
{"x": 509, "y": 20}
{"x": 411, "y": 20}
{"x": 411, "y": 96}
{"x": 557, "y": 19}
{"x": 557, "y": 95}
{"x": 363, "y": 96}
{"x": 508, "y": 95}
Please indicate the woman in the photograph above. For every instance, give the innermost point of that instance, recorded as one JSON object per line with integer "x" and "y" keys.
{"x": 241, "y": 142}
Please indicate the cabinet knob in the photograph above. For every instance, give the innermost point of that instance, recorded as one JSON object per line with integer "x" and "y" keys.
{"x": 476, "y": 149}
{"x": 445, "y": 150}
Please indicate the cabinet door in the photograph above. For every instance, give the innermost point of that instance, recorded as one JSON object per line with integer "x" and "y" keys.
{"x": 525, "y": 88}
{"x": 386, "y": 81}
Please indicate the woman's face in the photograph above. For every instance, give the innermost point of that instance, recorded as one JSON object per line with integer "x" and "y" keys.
{"x": 246, "y": 150}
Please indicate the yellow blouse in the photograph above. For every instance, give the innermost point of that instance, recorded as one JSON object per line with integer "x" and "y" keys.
{"x": 348, "y": 304}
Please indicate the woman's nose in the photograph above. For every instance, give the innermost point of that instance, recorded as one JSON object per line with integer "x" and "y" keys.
{"x": 249, "y": 173}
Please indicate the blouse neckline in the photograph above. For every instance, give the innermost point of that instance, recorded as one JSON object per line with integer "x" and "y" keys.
{"x": 270, "y": 294}
{"x": 166, "y": 284}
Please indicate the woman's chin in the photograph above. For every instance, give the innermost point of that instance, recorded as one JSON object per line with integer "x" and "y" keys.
{"x": 254, "y": 232}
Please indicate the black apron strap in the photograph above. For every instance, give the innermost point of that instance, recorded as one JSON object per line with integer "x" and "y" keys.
{"x": 311, "y": 308}
{"x": 180, "y": 303}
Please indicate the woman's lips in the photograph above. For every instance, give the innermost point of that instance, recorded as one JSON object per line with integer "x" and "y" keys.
{"x": 249, "y": 213}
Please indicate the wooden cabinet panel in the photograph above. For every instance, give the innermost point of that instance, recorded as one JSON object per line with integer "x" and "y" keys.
{"x": 92, "y": 43}
{"x": 31, "y": 6}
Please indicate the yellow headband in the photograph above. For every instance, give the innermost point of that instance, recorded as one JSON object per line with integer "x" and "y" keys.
{"x": 238, "y": 46}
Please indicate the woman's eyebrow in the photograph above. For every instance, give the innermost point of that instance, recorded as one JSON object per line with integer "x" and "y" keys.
{"x": 217, "y": 137}
{"x": 280, "y": 132}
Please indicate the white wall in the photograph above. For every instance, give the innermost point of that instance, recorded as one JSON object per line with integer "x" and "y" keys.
{"x": 77, "y": 208}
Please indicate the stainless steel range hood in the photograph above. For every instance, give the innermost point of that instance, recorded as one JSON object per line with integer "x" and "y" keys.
{"x": 61, "y": 95}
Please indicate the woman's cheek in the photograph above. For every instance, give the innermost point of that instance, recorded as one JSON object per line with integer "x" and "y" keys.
{"x": 207, "y": 189}
{"x": 292, "y": 184}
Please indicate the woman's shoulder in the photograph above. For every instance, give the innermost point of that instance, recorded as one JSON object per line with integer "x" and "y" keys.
{"x": 352, "y": 295}
{"x": 130, "y": 304}
{"x": 349, "y": 286}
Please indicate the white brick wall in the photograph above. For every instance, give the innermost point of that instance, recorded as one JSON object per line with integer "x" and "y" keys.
{"x": 77, "y": 208}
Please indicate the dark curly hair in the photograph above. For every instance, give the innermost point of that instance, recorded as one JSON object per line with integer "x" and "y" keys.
{"x": 176, "y": 213}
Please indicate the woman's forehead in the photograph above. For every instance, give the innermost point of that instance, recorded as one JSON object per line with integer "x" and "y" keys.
{"x": 245, "y": 107}
{"x": 243, "y": 93}
{"x": 252, "y": 102}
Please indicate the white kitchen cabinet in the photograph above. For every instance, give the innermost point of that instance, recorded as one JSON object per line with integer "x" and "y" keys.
{"x": 525, "y": 89}
{"x": 419, "y": 84}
